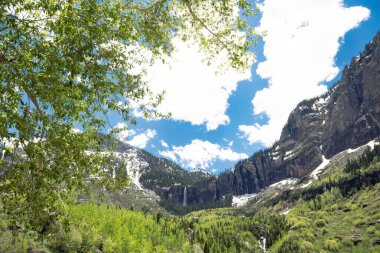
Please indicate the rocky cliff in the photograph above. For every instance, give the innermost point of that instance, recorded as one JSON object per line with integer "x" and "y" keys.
{"x": 345, "y": 117}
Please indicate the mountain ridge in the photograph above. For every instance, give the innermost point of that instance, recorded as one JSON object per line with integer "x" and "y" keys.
{"x": 345, "y": 117}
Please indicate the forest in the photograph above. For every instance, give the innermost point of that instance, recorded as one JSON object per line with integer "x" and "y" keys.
{"x": 335, "y": 220}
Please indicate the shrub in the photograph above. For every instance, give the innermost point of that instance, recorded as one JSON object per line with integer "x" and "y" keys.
{"x": 320, "y": 223}
{"x": 347, "y": 243}
{"x": 332, "y": 245}
{"x": 290, "y": 245}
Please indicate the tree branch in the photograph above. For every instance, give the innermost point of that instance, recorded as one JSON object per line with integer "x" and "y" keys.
{"x": 32, "y": 97}
{"x": 204, "y": 24}
{"x": 28, "y": 20}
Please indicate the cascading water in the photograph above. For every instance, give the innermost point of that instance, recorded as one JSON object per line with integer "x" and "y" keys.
{"x": 262, "y": 244}
{"x": 185, "y": 197}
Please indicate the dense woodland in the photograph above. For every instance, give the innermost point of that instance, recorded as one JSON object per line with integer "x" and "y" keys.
{"x": 335, "y": 220}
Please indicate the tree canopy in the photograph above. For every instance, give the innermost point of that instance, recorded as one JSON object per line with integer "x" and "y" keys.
{"x": 67, "y": 63}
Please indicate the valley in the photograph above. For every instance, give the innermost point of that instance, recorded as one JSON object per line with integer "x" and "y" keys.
{"x": 75, "y": 172}
{"x": 336, "y": 213}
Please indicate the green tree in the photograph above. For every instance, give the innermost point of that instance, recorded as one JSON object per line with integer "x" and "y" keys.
{"x": 67, "y": 63}
{"x": 290, "y": 245}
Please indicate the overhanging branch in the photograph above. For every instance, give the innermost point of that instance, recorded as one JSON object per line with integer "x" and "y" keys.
{"x": 192, "y": 13}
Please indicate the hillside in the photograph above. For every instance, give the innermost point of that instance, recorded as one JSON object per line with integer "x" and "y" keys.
{"x": 149, "y": 177}
{"x": 337, "y": 213}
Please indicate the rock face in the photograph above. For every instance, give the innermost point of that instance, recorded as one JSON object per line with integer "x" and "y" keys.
{"x": 358, "y": 96}
{"x": 202, "y": 192}
{"x": 345, "y": 117}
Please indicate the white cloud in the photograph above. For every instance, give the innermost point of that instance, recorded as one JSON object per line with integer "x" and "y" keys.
{"x": 194, "y": 92}
{"x": 164, "y": 144}
{"x": 76, "y": 130}
{"x": 201, "y": 154}
{"x": 124, "y": 133}
{"x": 301, "y": 43}
{"x": 139, "y": 140}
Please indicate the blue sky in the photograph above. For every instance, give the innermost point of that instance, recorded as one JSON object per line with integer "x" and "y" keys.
{"x": 220, "y": 120}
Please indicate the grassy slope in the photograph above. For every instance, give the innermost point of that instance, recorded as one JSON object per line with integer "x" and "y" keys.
{"x": 341, "y": 219}
{"x": 338, "y": 219}
{"x": 333, "y": 223}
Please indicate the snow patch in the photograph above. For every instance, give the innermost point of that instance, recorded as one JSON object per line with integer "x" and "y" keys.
{"x": 275, "y": 155}
{"x": 285, "y": 211}
{"x": 242, "y": 200}
{"x": 288, "y": 154}
{"x": 285, "y": 182}
{"x": 323, "y": 101}
{"x": 319, "y": 169}
{"x": 202, "y": 171}
{"x": 320, "y": 103}
{"x": 134, "y": 165}
{"x": 370, "y": 144}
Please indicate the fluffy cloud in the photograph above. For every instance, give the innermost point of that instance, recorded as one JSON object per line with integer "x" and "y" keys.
{"x": 301, "y": 43}
{"x": 201, "y": 154}
{"x": 164, "y": 144}
{"x": 139, "y": 140}
{"x": 194, "y": 92}
{"x": 142, "y": 139}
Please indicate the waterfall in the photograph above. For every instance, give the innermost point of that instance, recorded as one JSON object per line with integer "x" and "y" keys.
{"x": 185, "y": 197}
{"x": 262, "y": 244}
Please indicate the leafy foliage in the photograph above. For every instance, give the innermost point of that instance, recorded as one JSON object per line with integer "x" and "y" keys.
{"x": 66, "y": 64}
{"x": 106, "y": 229}
{"x": 223, "y": 230}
